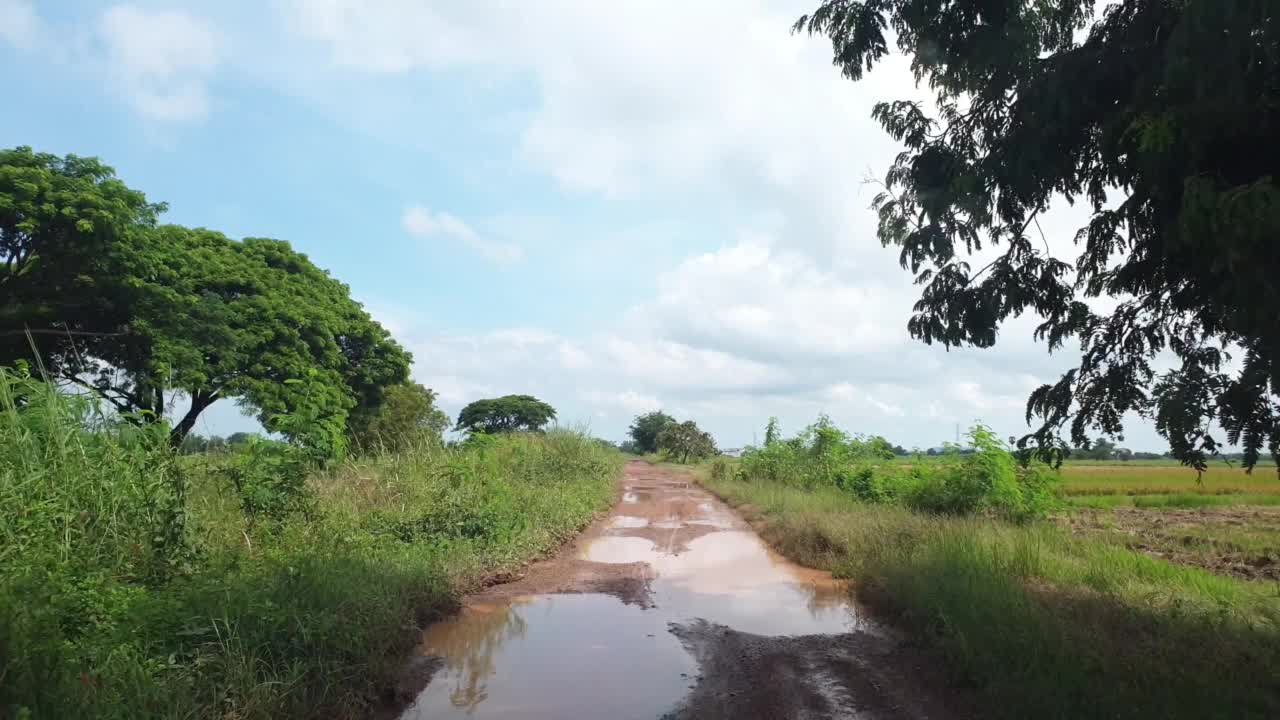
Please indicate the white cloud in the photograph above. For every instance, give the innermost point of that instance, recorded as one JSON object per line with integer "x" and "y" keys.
{"x": 630, "y": 403}
{"x": 769, "y": 303}
{"x": 20, "y": 26}
{"x": 161, "y": 60}
{"x": 714, "y": 98}
{"x": 422, "y": 222}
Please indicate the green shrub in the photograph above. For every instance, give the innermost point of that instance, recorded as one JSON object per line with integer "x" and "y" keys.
{"x": 272, "y": 581}
{"x": 270, "y": 479}
{"x": 987, "y": 478}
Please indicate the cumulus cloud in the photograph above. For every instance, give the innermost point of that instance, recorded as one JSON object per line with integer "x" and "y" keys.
{"x": 771, "y": 303}
{"x": 716, "y": 110}
{"x": 713, "y": 98}
{"x": 161, "y": 60}
{"x": 424, "y": 223}
{"x": 20, "y": 26}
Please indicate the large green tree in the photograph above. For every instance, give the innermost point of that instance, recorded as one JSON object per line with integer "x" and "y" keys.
{"x": 142, "y": 315}
{"x": 645, "y": 428}
{"x": 509, "y": 413}
{"x": 1160, "y": 115}
{"x": 62, "y": 220}
{"x": 407, "y": 414}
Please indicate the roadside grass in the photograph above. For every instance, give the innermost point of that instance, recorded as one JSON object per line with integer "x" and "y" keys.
{"x": 1042, "y": 623}
{"x": 133, "y": 584}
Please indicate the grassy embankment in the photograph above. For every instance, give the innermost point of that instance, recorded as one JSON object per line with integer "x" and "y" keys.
{"x": 1044, "y": 624}
{"x": 137, "y": 584}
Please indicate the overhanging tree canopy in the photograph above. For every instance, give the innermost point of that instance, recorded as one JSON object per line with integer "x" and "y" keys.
{"x": 136, "y": 312}
{"x": 1170, "y": 108}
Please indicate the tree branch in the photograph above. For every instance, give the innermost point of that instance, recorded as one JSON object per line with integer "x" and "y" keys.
{"x": 77, "y": 333}
{"x": 119, "y": 405}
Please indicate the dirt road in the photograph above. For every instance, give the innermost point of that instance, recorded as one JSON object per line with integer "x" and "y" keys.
{"x": 671, "y": 607}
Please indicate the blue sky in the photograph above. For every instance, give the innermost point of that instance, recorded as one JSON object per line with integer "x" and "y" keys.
{"x": 614, "y": 206}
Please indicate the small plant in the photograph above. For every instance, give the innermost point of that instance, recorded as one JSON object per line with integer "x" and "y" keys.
{"x": 720, "y": 469}
{"x": 270, "y": 479}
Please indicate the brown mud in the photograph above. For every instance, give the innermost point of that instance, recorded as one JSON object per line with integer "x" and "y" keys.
{"x": 671, "y": 607}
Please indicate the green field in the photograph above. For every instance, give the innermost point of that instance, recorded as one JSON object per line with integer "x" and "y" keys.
{"x": 1164, "y": 478}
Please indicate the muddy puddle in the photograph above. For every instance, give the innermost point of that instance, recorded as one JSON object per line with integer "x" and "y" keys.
{"x": 635, "y": 620}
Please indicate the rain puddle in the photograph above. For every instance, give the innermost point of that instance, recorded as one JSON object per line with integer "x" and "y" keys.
{"x": 732, "y": 578}
{"x": 554, "y": 657}
{"x": 591, "y": 655}
{"x": 628, "y": 522}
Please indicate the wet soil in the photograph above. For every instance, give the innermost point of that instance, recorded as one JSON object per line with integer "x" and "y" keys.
{"x": 671, "y": 607}
{"x": 1242, "y": 542}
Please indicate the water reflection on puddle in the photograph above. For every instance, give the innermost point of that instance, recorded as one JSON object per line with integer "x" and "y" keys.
{"x": 732, "y": 578}
{"x": 628, "y": 522}
{"x": 554, "y": 656}
{"x": 564, "y": 656}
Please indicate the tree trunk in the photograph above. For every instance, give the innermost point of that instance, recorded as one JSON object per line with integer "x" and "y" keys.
{"x": 199, "y": 401}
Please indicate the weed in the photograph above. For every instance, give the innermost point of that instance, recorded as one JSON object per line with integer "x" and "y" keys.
{"x": 988, "y": 478}
{"x": 135, "y": 582}
{"x": 1044, "y": 624}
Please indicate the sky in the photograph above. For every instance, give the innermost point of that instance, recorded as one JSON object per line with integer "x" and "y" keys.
{"x": 616, "y": 207}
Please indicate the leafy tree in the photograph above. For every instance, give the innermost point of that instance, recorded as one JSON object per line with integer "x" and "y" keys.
{"x": 645, "y": 428}
{"x": 242, "y": 319}
{"x": 407, "y": 412}
{"x": 1162, "y": 119}
{"x": 61, "y": 220}
{"x": 772, "y": 433}
{"x": 685, "y": 440}
{"x": 510, "y": 413}
{"x": 630, "y": 447}
{"x": 140, "y": 314}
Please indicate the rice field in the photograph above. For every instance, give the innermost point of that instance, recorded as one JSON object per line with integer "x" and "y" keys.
{"x": 1083, "y": 481}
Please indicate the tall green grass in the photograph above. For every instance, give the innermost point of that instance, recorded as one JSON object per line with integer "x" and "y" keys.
{"x": 134, "y": 583}
{"x": 1042, "y": 624}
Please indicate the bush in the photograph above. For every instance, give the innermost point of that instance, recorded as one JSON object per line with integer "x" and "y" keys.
{"x": 986, "y": 478}
{"x": 270, "y": 581}
{"x": 270, "y": 479}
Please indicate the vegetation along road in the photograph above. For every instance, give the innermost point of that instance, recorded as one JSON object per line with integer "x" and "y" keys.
{"x": 671, "y": 606}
